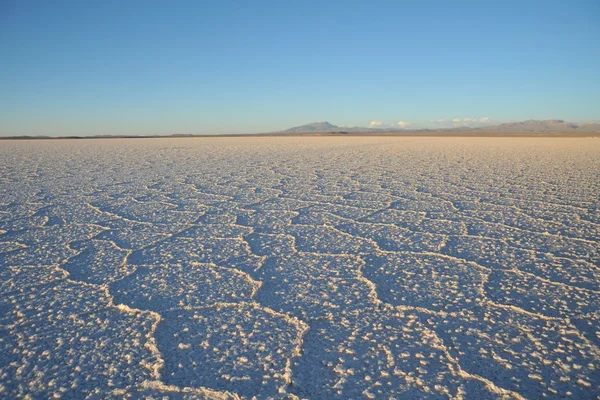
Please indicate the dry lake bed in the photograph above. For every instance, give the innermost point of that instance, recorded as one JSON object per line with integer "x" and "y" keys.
{"x": 321, "y": 267}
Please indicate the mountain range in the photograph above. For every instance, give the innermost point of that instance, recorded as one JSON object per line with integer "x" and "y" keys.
{"x": 529, "y": 126}
{"x": 549, "y": 127}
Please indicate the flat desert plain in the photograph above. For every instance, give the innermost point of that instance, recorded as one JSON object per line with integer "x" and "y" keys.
{"x": 316, "y": 267}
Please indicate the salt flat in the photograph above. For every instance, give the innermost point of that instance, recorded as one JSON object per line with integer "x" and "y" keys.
{"x": 321, "y": 267}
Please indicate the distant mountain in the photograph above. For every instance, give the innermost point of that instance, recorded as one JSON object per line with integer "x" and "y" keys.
{"x": 314, "y": 127}
{"x": 326, "y": 127}
{"x": 530, "y": 126}
{"x": 544, "y": 126}
{"x": 589, "y": 127}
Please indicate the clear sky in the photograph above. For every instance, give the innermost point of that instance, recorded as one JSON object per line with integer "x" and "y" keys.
{"x": 162, "y": 67}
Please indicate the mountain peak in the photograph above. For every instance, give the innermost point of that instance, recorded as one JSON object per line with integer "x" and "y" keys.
{"x": 323, "y": 126}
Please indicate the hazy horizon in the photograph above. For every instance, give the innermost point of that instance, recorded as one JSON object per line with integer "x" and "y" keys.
{"x": 74, "y": 68}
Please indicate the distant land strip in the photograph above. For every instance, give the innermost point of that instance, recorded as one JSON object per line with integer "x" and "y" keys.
{"x": 316, "y": 134}
{"x": 529, "y": 128}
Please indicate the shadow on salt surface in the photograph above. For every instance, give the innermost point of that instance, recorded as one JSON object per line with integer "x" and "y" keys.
{"x": 6, "y": 247}
{"x": 569, "y": 224}
{"x": 154, "y": 212}
{"x": 380, "y": 354}
{"x": 325, "y": 214}
{"x": 393, "y": 238}
{"x": 265, "y": 244}
{"x": 238, "y": 347}
{"x": 310, "y": 216}
{"x": 559, "y": 246}
{"x": 541, "y": 297}
{"x": 17, "y": 209}
{"x": 426, "y": 203}
{"x": 156, "y": 390}
{"x": 231, "y": 253}
{"x": 47, "y": 245}
{"x": 64, "y": 338}
{"x": 280, "y": 204}
{"x": 531, "y": 355}
{"x": 56, "y": 300}
{"x": 416, "y": 221}
{"x": 187, "y": 197}
{"x": 589, "y": 326}
{"x": 429, "y": 281}
{"x": 135, "y": 235}
{"x": 268, "y": 221}
{"x": 218, "y": 217}
{"x": 99, "y": 262}
{"x": 23, "y": 224}
{"x": 79, "y": 356}
{"x": 557, "y": 300}
{"x": 74, "y": 212}
{"x": 325, "y": 239}
{"x": 16, "y": 279}
{"x": 217, "y": 231}
{"x": 160, "y": 288}
{"x": 497, "y": 254}
{"x": 312, "y": 286}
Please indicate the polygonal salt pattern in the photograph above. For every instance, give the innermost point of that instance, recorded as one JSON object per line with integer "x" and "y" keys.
{"x": 166, "y": 287}
{"x": 380, "y": 354}
{"x": 86, "y": 355}
{"x": 424, "y": 280}
{"x": 341, "y": 267}
{"x": 242, "y": 347}
{"x": 311, "y": 286}
{"x": 98, "y": 262}
{"x": 532, "y": 355}
{"x": 541, "y": 296}
{"x": 57, "y": 300}
{"x": 232, "y": 253}
{"x": 14, "y": 279}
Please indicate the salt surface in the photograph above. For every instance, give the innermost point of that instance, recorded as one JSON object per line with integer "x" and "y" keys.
{"x": 312, "y": 267}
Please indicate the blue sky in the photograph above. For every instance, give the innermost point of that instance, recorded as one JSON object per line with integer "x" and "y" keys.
{"x": 161, "y": 67}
